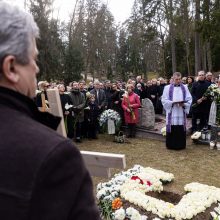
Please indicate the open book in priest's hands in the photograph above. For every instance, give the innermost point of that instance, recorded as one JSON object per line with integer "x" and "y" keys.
{"x": 179, "y": 102}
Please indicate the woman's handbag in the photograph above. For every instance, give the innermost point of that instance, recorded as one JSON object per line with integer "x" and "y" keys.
{"x": 120, "y": 138}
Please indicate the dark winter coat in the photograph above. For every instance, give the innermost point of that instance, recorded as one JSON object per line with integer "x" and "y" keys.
{"x": 101, "y": 99}
{"x": 42, "y": 174}
{"x": 116, "y": 97}
{"x": 108, "y": 95}
{"x": 79, "y": 102}
{"x": 153, "y": 91}
{"x": 198, "y": 90}
{"x": 65, "y": 99}
{"x": 140, "y": 93}
{"x": 38, "y": 99}
{"x": 159, "y": 106}
{"x": 93, "y": 112}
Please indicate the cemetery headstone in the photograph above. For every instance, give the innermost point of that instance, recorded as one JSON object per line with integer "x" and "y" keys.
{"x": 146, "y": 114}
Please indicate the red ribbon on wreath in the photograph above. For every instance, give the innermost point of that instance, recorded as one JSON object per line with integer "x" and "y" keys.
{"x": 141, "y": 181}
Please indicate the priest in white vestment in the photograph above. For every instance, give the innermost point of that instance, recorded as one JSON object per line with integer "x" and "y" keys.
{"x": 176, "y": 100}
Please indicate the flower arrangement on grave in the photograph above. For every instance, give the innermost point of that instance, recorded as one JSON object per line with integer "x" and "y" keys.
{"x": 196, "y": 135}
{"x": 163, "y": 131}
{"x": 216, "y": 213}
{"x": 109, "y": 194}
{"x": 130, "y": 188}
{"x": 112, "y": 115}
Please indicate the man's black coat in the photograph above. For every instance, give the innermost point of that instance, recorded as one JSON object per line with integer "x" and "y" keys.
{"x": 198, "y": 90}
{"x": 42, "y": 174}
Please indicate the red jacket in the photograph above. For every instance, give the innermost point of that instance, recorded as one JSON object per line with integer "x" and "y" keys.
{"x": 134, "y": 101}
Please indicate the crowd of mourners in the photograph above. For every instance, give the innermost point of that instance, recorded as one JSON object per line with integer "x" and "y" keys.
{"x": 89, "y": 101}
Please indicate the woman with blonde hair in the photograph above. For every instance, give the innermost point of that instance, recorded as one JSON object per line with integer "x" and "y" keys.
{"x": 130, "y": 105}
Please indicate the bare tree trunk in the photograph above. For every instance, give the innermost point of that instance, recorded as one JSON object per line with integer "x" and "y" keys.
{"x": 204, "y": 60}
{"x": 169, "y": 14}
{"x": 172, "y": 36}
{"x": 163, "y": 47}
{"x": 197, "y": 39}
{"x": 207, "y": 4}
{"x": 71, "y": 23}
{"x": 173, "y": 50}
{"x": 188, "y": 55}
{"x": 209, "y": 56}
{"x": 186, "y": 24}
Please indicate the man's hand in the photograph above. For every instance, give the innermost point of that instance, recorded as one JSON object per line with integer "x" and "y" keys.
{"x": 199, "y": 101}
{"x": 153, "y": 96}
{"x": 181, "y": 104}
{"x": 116, "y": 102}
{"x": 66, "y": 113}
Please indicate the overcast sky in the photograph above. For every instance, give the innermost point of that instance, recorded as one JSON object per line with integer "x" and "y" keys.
{"x": 120, "y": 9}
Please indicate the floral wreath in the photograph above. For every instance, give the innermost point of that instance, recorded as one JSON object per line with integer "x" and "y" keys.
{"x": 110, "y": 114}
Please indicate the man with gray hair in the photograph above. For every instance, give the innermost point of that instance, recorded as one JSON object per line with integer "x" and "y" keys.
{"x": 176, "y": 100}
{"x": 42, "y": 173}
{"x": 201, "y": 105}
{"x": 209, "y": 77}
{"x": 100, "y": 97}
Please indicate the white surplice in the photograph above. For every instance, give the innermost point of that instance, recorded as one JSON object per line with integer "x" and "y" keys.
{"x": 177, "y": 116}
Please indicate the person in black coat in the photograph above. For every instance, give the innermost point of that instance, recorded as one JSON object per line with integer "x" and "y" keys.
{"x": 43, "y": 176}
{"x": 108, "y": 93}
{"x": 190, "y": 81}
{"x": 200, "y": 104}
{"x": 147, "y": 89}
{"x": 153, "y": 93}
{"x": 79, "y": 102}
{"x": 65, "y": 99}
{"x": 100, "y": 97}
{"x": 67, "y": 113}
{"x": 93, "y": 114}
{"x": 139, "y": 91}
{"x": 43, "y": 86}
{"x": 159, "y": 108}
{"x": 116, "y": 99}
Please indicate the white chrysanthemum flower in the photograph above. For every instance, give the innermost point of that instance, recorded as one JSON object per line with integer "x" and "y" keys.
{"x": 163, "y": 131}
{"x": 119, "y": 214}
{"x": 133, "y": 214}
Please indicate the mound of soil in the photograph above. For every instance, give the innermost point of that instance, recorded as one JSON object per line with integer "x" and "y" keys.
{"x": 171, "y": 197}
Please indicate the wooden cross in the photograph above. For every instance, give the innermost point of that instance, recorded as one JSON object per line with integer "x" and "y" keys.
{"x": 56, "y": 109}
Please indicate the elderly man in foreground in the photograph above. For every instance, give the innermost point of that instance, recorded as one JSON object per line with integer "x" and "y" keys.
{"x": 42, "y": 174}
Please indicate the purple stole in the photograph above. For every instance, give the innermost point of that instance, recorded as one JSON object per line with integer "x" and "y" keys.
{"x": 171, "y": 89}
